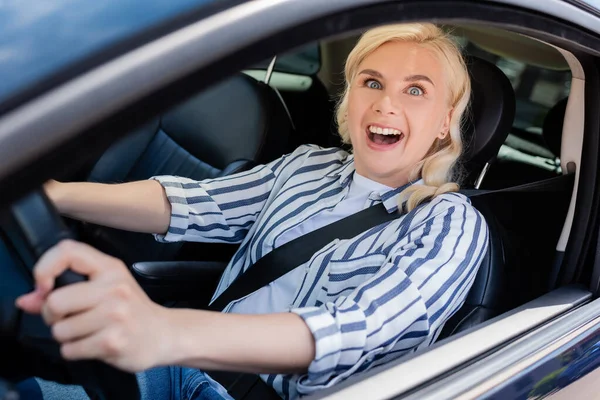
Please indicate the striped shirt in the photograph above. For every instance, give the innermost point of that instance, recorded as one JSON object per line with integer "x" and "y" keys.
{"x": 366, "y": 300}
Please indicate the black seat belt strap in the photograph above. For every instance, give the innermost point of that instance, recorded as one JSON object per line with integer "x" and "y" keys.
{"x": 298, "y": 251}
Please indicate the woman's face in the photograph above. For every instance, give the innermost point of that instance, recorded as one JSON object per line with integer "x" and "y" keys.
{"x": 397, "y": 108}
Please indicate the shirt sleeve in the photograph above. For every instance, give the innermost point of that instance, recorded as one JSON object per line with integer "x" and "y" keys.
{"x": 423, "y": 282}
{"x": 221, "y": 210}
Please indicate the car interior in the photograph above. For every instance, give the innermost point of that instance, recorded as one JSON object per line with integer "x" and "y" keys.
{"x": 512, "y": 162}
{"x": 516, "y": 131}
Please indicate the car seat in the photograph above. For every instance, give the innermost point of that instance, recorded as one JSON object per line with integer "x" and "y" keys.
{"x": 228, "y": 128}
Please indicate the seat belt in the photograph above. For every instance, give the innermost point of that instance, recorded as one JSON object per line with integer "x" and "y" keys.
{"x": 298, "y": 251}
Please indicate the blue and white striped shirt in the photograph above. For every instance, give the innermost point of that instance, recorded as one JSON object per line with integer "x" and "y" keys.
{"x": 366, "y": 300}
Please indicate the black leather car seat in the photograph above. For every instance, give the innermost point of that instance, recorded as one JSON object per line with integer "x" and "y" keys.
{"x": 490, "y": 118}
{"x": 228, "y": 128}
{"x": 492, "y": 112}
{"x": 522, "y": 238}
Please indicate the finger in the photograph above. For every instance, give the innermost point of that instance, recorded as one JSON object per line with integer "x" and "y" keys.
{"x": 102, "y": 345}
{"x": 73, "y": 299}
{"x": 32, "y": 302}
{"x": 68, "y": 254}
{"x": 79, "y": 326}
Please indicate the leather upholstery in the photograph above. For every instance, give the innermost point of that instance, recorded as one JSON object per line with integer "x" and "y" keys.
{"x": 491, "y": 117}
{"x": 228, "y": 128}
{"x": 491, "y": 114}
{"x": 488, "y": 295}
{"x": 484, "y": 300}
{"x": 190, "y": 281}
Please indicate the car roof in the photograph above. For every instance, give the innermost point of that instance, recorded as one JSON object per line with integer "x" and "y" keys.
{"x": 39, "y": 38}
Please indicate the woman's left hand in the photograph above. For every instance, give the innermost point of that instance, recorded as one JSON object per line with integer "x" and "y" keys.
{"x": 108, "y": 317}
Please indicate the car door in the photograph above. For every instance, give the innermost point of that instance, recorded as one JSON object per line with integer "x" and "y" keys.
{"x": 481, "y": 362}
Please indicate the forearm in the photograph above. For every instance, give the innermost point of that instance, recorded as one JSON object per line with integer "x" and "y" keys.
{"x": 270, "y": 343}
{"x": 137, "y": 206}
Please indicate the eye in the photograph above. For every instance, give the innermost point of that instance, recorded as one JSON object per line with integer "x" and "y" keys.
{"x": 416, "y": 91}
{"x": 372, "y": 84}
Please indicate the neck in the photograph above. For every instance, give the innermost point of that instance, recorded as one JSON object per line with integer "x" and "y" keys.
{"x": 392, "y": 180}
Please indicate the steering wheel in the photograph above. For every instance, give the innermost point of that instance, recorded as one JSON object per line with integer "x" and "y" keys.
{"x": 34, "y": 225}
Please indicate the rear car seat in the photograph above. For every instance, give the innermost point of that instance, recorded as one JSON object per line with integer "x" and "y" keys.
{"x": 509, "y": 172}
{"x": 228, "y": 128}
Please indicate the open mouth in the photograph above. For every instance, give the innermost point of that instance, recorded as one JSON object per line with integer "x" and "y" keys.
{"x": 384, "y": 136}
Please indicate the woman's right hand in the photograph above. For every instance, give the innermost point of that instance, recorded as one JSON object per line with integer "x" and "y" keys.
{"x": 108, "y": 317}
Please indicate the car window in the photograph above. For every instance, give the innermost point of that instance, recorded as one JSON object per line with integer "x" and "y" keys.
{"x": 537, "y": 90}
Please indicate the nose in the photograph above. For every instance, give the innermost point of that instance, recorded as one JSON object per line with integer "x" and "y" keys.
{"x": 384, "y": 105}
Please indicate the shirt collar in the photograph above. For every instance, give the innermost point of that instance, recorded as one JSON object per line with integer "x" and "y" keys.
{"x": 363, "y": 184}
{"x": 389, "y": 198}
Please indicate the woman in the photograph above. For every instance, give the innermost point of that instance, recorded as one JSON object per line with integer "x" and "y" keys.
{"x": 356, "y": 304}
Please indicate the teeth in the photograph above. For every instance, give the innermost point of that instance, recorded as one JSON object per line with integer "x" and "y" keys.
{"x": 384, "y": 131}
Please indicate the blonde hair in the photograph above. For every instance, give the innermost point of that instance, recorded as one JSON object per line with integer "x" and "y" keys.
{"x": 437, "y": 167}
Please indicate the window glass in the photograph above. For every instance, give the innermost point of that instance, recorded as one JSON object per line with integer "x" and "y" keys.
{"x": 537, "y": 89}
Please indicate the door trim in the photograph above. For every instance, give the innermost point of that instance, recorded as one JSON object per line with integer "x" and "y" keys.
{"x": 459, "y": 351}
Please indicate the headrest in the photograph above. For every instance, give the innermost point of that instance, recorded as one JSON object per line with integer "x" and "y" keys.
{"x": 491, "y": 112}
{"x": 237, "y": 119}
{"x": 553, "y": 126}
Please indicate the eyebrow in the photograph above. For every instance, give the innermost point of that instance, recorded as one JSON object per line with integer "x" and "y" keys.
{"x": 415, "y": 78}
{"x": 410, "y": 78}
{"x": 371, "y": 72}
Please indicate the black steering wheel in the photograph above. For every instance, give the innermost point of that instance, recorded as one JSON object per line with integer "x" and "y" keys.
{"x": 34, "y": 225}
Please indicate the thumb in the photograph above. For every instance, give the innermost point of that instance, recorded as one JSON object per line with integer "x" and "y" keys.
{"x": 32, "y": 302}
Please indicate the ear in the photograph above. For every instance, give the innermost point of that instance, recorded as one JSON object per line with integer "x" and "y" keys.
{"x": 446, "y": 125}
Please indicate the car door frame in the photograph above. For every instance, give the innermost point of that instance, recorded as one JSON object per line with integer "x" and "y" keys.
{"x": 53, "y": 124}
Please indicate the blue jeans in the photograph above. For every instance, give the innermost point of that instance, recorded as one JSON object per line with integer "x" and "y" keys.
{"x": 168, "y": 383}
{"x": 178, "y": 383}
